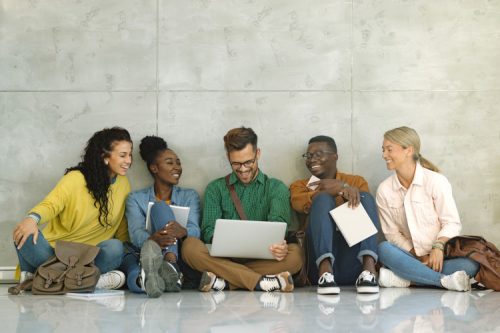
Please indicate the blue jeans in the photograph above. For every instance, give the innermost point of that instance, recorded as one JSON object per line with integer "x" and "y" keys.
{"x": 161, "y": 213}
{"x": 327, "y": 241}
{"x": 406, "y": 266}
{"x": 33, "y": 255}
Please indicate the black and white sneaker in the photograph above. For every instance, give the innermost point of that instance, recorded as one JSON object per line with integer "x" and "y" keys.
{"x": 327, "y": 285}
{"x": 367, "y": 283}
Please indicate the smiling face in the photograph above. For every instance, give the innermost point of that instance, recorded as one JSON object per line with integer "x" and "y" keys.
{"x": 321, "y": 160}
{"x": 245, "y": 163}
{"x": 119, "y": 159}
{"x": 396, "y": 156}
{"x": 167, "y": 167}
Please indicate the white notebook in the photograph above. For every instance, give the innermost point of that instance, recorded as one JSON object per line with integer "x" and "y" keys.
{"x": 180, "y": 213}
{"x": 354, "y": 224}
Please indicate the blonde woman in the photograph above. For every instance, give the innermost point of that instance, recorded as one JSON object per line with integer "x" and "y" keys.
{"x": 417, "y": 215}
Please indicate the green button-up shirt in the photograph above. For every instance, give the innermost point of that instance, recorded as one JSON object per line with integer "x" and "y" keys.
{"x": 264, "y": 199}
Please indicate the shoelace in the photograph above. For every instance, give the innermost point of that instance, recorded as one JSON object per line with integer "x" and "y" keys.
{"x": 270, "y": 283}
{"x": 366, "y": 276}
{"x": 326, "y": 278}
{"x": 219, "y": 284}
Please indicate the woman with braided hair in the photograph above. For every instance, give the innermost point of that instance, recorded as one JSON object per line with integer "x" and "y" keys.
{"x": 86, "y": 206}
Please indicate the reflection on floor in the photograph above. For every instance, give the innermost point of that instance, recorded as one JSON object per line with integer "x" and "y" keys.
{"x": 393, "y": 310}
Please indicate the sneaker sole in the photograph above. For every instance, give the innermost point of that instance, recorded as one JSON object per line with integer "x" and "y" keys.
{"x": 329, "y": 291}
{"x": 151, "y": 261}
{"x": 368, "y": 289}
{"x": 170, "y": 276}
{"x": 205, "y": 282}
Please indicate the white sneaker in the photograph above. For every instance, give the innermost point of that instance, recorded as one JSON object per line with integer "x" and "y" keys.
{"x": 209, "y": 281}
{"x": 458, "y": 281}
{"x": 388, "y": 279}
{"x": 279, "y": 282}
{"x": 111, "y": 280}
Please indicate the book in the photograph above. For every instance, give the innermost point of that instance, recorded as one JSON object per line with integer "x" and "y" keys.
{"x": 181, "y": 215}
{"x": 98, "y": 293}
{"x": 354, "y": 224}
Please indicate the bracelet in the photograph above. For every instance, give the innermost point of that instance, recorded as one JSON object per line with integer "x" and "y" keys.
{"x": 438, "y": 245}
{"x": 35, "y": 217}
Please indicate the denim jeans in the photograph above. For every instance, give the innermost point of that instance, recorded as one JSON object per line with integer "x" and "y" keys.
{"x": 327, "y": 241}
{"x": 161, "y": 213}
{"x": 33, "y": 255}
{"x": 406, "y": 266}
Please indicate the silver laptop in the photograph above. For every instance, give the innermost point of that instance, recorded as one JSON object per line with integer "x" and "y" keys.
{"x": 245, "y": 239}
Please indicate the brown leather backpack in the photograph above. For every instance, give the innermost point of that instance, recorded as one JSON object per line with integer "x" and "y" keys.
{"x": 71, "y": 269}
{"x": 481, "y": 251}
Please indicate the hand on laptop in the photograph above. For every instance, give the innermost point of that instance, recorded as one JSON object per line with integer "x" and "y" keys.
{"x": 279, "y": 250}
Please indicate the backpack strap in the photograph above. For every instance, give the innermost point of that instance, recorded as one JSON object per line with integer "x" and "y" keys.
{"x": 236, "y": 199}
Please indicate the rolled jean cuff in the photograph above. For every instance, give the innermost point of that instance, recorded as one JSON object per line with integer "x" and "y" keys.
{"x": 367, "y": 253}
{"x": 324, "y": 256}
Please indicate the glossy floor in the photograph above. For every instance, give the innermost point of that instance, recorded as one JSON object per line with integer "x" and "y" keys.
{"x": 393, "y": 310}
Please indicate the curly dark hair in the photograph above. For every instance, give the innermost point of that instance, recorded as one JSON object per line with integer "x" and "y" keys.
{"x": 94, "y": 170}
{"x": 150, "y": 147}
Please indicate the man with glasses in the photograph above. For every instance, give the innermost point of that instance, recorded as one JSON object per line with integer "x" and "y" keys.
{"x": 263, "y": 199}
{"x": 330, "y": 255}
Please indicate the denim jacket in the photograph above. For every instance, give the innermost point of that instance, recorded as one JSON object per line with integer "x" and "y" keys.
{"x": 137, "y": 207}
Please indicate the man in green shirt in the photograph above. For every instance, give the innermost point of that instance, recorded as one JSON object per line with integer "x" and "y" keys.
{"x": 263, "y": 199}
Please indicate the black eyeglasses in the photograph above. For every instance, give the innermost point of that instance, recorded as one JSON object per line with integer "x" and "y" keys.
{"x": 318, "y": 154}
{"x": 247, "y": 164}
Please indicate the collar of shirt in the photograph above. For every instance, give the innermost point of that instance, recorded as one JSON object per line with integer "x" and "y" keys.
{"x": 173, "y": 198}
{"x": 418, "y": 179}
{"x": 233, "y": 179}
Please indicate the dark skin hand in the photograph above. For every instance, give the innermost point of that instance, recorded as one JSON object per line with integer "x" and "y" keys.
{"x": 334, "y": 187}
{"x": 169, "y": 234}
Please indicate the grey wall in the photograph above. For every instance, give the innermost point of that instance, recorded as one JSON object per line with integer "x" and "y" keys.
{"x": 191, "y": 70}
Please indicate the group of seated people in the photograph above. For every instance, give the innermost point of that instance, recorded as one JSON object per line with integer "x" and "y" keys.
{"x": 92, "y": 204}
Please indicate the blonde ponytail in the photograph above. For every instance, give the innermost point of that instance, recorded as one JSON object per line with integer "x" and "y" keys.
{"x": 408, "y": 137}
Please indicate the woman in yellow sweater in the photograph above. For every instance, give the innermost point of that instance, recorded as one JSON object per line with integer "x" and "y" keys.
{"x": 86, "y": 206}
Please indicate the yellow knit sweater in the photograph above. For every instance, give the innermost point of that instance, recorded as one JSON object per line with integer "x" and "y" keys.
{"x": 70, "y": 213}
